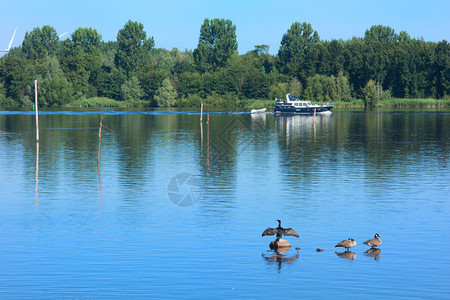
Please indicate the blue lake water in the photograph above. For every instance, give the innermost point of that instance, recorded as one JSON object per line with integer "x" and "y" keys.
{"x": 176, "y": 209}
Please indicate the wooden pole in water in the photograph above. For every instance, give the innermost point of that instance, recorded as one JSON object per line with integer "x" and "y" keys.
{"x": 37, "y": 172}
{"x": 207, "y": 137}
{"x": 36, "y": 110}
{"x": 201, "y": 112}
{"x": 99, "y": 139}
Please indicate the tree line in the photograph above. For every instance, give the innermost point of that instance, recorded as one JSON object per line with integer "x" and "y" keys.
{"x": 130, "y": 69}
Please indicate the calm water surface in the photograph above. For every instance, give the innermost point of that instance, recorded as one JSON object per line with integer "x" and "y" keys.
{"x": 172, "y": 212}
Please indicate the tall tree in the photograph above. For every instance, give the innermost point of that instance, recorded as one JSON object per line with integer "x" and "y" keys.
{"x": 40, "y": 42}
{"x": 53, "y": 87}
{"x": 295, "y": 45}
{"x": 380, "y": 41}
{"x": 16, "y": 74}
{"x": 133, "y": 45}
{"x": 86, "y": 40}
{"x": 216, "y": 45}
{"x": 380, "y": 33}
{"x": 442, "y": 69}
{"x": 82, "y": 60}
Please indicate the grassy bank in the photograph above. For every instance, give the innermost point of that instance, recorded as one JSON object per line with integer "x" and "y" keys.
{"x": 256, "y": 103}
{"x": 105, "y": 102}
{"x": 396, "y": 102}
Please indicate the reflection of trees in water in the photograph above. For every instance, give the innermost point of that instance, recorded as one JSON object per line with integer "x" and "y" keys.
{"x": 303, "y": 143}
{"x": 278, "y": 257}
{"x": 225, "y": 138}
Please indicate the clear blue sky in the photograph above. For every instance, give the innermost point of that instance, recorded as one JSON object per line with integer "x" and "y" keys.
{"x": 176, "y": 23}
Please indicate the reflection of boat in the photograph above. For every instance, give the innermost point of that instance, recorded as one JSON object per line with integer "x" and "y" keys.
{"x": 293, "y": 105}
{"x": 299, "y": 126}
{"x": 299, "y": 122}
{"x": 347, "y": 255}
{"x": 258, "y": 117}
{"x": 373, "y": 252}
{"x": 258, "y": 111}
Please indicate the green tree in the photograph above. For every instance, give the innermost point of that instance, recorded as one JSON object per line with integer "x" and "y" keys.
{"x": 354, "y": 64}
{"x": 109, "y": 84}
{"x": 370, "y": 94}
{"x": 150, "y": 79}
{"x": 131, "y": 90}
{"x": 279, "y": 91}
{"x": 261, "y": 50}
{"x": 336, "y": 52}
{"x": 40, "y": 42}
{"x": 53, "y": 88}
{"x": 217, "y": 43}
{"x": 295, "y": 87}
{"x": 295, "y": 45}
{"x": 316, "y": 89}
{"x": 16, "y": 74}
{"x": 380, "y": 33}
{"x": 166, "y": 94}
{"x": 82, "y": 60}
{"x": 85, "y": 40}
{"x": 381, "y": 42}
{"x": 133, "y": 46}
{"x": 442, "y": 69}
{"x": 343, "y": 88}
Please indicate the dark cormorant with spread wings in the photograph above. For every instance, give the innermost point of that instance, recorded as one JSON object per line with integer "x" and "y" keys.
{"x": 280, "y": 231}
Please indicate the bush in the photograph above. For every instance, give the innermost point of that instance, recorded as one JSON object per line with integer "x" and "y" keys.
{"x": 370, "y": 94}
{"x": 189, "y": 101}
{"x": 96, "y": 102}
{"x": 279, "y": 91}
{"x": 7, "y": 102}
{"x": 131, "y": 90}
{"x": 166, "y": 94}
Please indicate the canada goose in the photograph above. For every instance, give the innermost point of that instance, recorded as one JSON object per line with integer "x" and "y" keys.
{"x": 375, "y": 242}
{"x": 347, "y": 244}
{"x": 279, "y": 231}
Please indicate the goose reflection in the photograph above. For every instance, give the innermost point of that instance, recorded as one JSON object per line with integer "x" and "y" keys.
{"x": 373, "y": 252}
{"x": 278, "y": 257}
{"x": 347, "y": 255}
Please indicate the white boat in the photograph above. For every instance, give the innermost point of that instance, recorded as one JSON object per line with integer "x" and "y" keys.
{"x": 258, "y": 111}
{"x": 293, "y": 105}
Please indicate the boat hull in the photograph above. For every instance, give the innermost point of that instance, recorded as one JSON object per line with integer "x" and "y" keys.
{"x": 287, "y": 108}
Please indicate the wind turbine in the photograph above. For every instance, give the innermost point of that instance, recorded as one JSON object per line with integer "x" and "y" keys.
{"x": 62, "y": 35}
{"x": 10, "y": 43}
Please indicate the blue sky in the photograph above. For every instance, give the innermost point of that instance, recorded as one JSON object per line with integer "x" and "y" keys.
{"x": 176, "y": 23}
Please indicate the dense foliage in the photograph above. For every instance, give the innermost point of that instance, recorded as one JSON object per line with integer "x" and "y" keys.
{"x": 382, "y": 64}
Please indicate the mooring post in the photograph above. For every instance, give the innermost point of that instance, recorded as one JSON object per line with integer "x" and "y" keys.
{"x": 201, "y": 111}
{"x": 207, "y": 138}
{"x": 99, "y": 141}
{"x": 36, "y": 110}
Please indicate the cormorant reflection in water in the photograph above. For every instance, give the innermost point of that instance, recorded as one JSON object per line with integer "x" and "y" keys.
{"x": 279, "y": 258}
